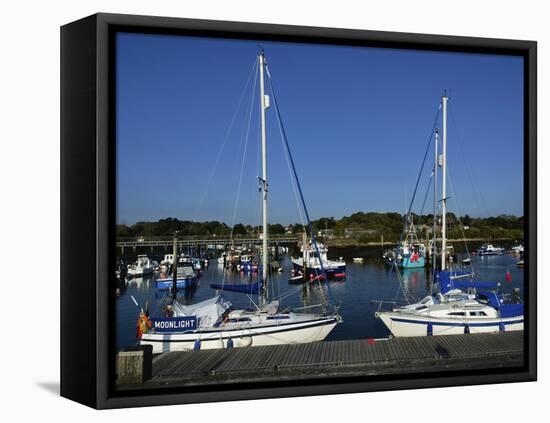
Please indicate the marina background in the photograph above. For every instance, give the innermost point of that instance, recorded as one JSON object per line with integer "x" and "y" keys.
{"x": 365, "y": 284}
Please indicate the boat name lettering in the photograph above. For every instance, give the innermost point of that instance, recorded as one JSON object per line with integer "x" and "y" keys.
{"x": 175, "y": 324}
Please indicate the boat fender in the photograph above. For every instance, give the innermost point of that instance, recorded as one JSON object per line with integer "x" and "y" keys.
{"x": 246, "y": 341}
{"x": 230, "y": 343}
{"x": 430, "y": 329}
{"x": 466, "y": 329}
{"x": 197, "y": 345}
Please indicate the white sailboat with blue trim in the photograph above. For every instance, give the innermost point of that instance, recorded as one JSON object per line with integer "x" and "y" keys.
{"x": 462, "y": 305}
{"x": 214, "y": 323}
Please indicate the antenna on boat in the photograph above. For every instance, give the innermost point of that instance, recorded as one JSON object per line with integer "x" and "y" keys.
{"x": 444, "y": 184}
{"x": 264, "y": 104}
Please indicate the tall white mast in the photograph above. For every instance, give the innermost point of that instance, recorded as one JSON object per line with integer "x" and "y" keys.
{"x": 263, "y": 107}
{"x": 434, "y": 235}
{"x": 444, "y": 186}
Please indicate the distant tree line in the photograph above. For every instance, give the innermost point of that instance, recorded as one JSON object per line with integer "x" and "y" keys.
{"x": 185, "y": 228}
{"x": 364, "y": 227}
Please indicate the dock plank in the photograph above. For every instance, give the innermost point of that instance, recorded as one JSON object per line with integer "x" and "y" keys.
{"x": 356, "y": 356}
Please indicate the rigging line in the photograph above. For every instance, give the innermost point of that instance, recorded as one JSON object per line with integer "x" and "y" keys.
{"x": 241, "y": 171}
{"x": 469, "y": 171}
{"x": 302, "y": 221}
{"x": 229, "y": 129}
{"x": 292, "y": 182}
{"x": 235, "y": 208}
{"x": 256, "y": 203}
{"x": 394, "y": 265}
{"x": 424, "y": 160}
{"x": 461, "y": 226}
{"x": 425, "y": 198}
{"x": 279, "y": 120}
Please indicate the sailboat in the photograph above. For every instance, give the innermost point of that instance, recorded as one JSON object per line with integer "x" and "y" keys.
{"x": 214, "y": 323}
{"x": 463, "y": 305}
{"x": 410, "y": 253}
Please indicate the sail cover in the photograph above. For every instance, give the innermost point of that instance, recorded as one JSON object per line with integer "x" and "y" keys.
{"x": 207, "y": 312}
{"x": 457, "y": 280}
{"x": 244, "y": 288}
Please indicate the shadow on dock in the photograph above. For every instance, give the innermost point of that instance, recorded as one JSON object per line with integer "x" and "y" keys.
{"x": 335, "y": 358}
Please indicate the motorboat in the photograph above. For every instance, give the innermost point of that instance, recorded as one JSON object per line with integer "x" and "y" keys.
{"x": 143, "y": 266}
{"x": 489, "y": 250}
{"x": 186, "y": 277}
{"x": 315, "y": 259}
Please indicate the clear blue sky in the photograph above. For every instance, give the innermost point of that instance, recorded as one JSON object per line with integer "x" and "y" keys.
{"x": 358, "y": 120}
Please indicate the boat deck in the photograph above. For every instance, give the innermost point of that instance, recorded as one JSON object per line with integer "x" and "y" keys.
{"x": 336, "y": 358}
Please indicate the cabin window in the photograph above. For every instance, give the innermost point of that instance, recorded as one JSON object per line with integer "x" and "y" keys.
{"x": 421, "y": 308}
{"x": 277, "y": 317}
{"x": 240, "y": 319}
{"x": 456, "y": 313}
{"x": 477, "y": 313}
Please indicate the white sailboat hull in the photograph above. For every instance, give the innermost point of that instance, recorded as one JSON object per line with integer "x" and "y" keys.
{"x": 293, "y": 333}
{"x": 403, "y": 325}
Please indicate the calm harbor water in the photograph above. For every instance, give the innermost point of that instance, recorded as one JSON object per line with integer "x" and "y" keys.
{"x": 357, "y": 295}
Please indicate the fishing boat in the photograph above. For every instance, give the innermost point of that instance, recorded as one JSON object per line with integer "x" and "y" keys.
{"x": 489, "y": 250}
{"x": 462, "y": 305}
{"x": 186, "y": 278}
{"x": 358, "y": 260}
{"x": 143, "y": 266}
{"x": 315, "y": 259}
{"x": 214, "y": 323}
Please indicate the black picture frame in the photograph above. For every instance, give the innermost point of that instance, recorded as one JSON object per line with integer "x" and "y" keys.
{"x": 88, "y": 214}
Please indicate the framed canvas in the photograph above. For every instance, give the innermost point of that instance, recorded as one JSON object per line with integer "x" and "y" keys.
{"x": 259, "y": 211}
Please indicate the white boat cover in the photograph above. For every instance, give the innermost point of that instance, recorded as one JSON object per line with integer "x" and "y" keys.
{"x": 185, "y": 272}
{"x": 207, "y": 312}
{"x": 271, "y": 308}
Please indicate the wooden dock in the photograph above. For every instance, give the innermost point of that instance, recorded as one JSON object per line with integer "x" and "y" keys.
{"x": 336, "y": 358}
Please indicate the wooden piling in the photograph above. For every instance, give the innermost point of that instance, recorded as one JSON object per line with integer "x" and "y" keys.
{"x": 134, "y": 365}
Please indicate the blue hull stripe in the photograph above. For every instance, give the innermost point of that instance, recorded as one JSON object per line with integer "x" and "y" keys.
{"x": 338, "y": 269}
{"x": 228, "y": 332}
{"x": 423, "y": 322}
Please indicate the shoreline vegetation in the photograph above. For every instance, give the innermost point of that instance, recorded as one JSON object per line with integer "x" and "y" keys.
{"x": 358, "y": 229}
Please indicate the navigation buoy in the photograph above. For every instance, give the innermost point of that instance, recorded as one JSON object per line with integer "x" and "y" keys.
{"x": 508, "y": 276}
